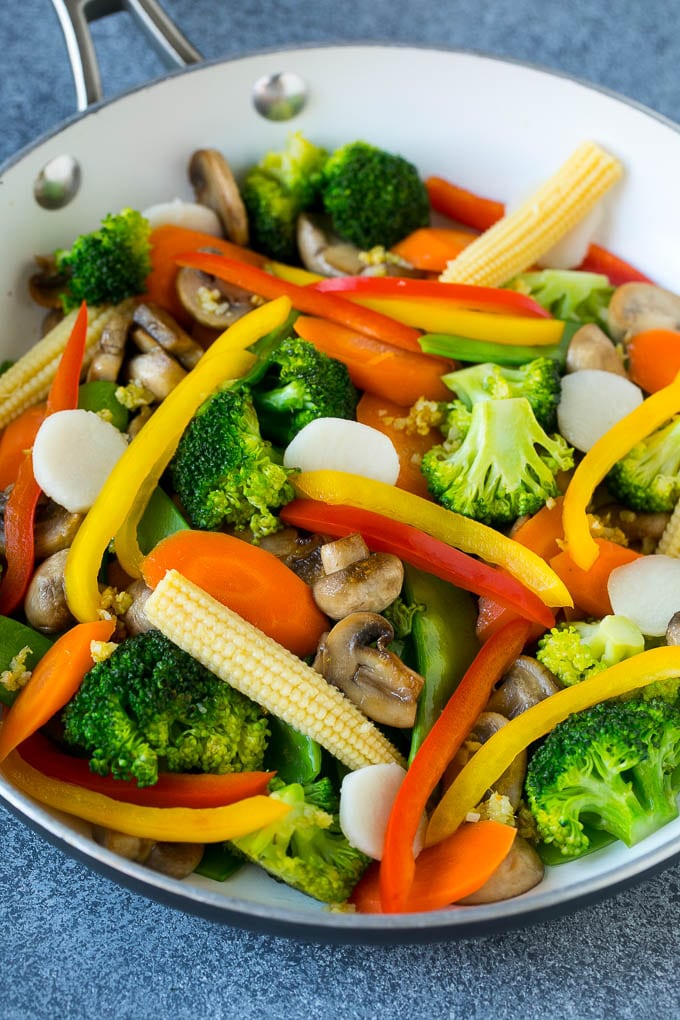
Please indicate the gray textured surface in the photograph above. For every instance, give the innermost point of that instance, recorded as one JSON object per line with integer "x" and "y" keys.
{"x": 77, "y": 946}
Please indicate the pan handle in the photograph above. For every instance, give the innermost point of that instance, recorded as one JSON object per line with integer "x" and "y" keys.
{"x": 75, "y": 17}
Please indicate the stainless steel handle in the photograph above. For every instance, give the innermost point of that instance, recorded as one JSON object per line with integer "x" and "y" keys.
{"x": 75, "y": 17}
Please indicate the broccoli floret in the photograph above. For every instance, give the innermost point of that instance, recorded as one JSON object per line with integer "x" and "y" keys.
{"x": 503, "y": 467}
{"x": 537, "y": 380}
{"x": 306, "y": 849}
{"x": 373, "y": 197}
{"x": 576, "y": 651}
{"x": 277, "y": 190}
{"x": 568, "y": 293}
{"x": 612, "y": 767}
{"x": 648, "y": 478}
{"x": 224, "y": 472}
{"x": 301, "y": 384}
{"x": 151, "y": 706}
{"x": 108, "y": 265}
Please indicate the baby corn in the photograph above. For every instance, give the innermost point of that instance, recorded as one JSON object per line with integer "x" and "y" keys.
{"x": 669, "y": 543}
{"x": 519, "y": 238}
{"x": 265, "y": 672}
{"x": 28, "y": 380}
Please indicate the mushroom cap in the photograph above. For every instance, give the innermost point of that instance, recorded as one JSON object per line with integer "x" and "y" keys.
{"x": 635, "y": 307}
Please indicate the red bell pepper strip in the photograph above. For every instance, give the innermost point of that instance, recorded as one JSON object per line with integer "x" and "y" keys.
{"x": 171, "y": 789}
{"x": 397, "y": 867}
{"x": 599, "y": 260}
{"x": 305, "y": 299}
{"x": 465, "y": 295}
{"x": 23, "y": 499}
{"x": 420, "y": 550}
{"x": 465, "y": 206}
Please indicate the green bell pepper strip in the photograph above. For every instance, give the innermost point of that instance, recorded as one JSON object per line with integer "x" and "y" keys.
{"x": 160, "y": 519}
{"x": 14, "y": 637}
{"x": 445, "y": 644}
{"x": 219, "y": 862}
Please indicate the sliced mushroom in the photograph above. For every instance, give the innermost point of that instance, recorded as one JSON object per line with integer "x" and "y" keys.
{"x": 368, "y": 584}
{"x": 375, "y": 679}
{"x": 133, "y": 848}
{"x": 55, "y": 528}
{"x": 590, "y": 347}
{"x": 51, "y": 319}
{"x": 178, "y": 860}
{"x": 160, "y": 325}
{"x": 47, "y": 285}
{"x": 344, "y": 551}
{"x": 525, "y": 684}
{"x": 635, "y": 307}
{"x": 521, "y": 870}
{"x": 45, "y": 603}
{"x": 210, "y": 301}
{"x": 302, "y": 553}
{"x": 109, "y": 353}
{"x": 639, "y": 527}
{"x": 136, "y": 620}
{"x": 322, "y": 252}
{"x": 511, "y": 783}
{"x": 157, "y": 371}
{"x": 214, "y": 185}
{"x": 673, "y": 630}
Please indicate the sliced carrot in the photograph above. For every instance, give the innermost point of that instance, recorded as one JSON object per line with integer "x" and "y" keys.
{"x": 16, "y": 439}
{"x": 466, "y": 207}
{"x": 588, "y": 588}
{"x": 378, "y": 367}
{"x": 169, "y": 241}
{"x": 53, "y": 682}
{"x": 446, "y": 872}
{"x": 431, "y": 248}
{"x": 654, "y": 358}
{"x": 380, "y": 413}
{"x": 247, "y": 579}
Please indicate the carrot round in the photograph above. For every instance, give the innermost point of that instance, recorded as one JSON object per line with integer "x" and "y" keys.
{"x": 378, "y": 367}
{"x": 446, "y": 872}
{"x": 588, "y": 588}
{"x": 654, "y": 358}
{"x": 381, "y": 413}
{"x": 431, "y": 248}
{"x": 249, "y": 580}
{"x": 16, "y": 439}
{"x": 53, "y": 682}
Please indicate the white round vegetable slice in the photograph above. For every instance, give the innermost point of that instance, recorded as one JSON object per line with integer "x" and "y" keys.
{"x": 366, "y": 799}
{"x": 338, "y": 444}
{"x": 647, "y": 591}
{"x": 73, "y": 454}
{"x": 571, "y": 249}
{"x": 191, "y": 215}
{"x": 591, "y": 402}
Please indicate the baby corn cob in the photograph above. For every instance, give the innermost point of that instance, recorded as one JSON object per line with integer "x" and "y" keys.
{"x": 28, "y": 380}
{"x": 265, "y": 672}
{"x": 515, "y": 242}
{"x": 669, "y": 543}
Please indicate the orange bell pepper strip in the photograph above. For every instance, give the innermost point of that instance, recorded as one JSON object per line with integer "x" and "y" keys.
{"x": 23, "y": 499}
{"x": 53, "y": 682}
{"x": 653, "y": 358}
{"x": 431, "y": 248}
{"x": 493, "y": 757}
{"x": 247, "y": 579}
{"x": 445, "y": 873}
{"x": 377, "y": 367}
{"x": 615, "y": 444}
{"x": 398, "y": 866}
{"x": 172, "y": 789}
{"x": 460, "y": 204}
{"x": 164, "y": 824}
{"x": 305, "y": 299}
{"x": 588, "y": 588}
{"x": 16, "y": 439}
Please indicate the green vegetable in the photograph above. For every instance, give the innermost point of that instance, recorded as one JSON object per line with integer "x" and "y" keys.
{"x": 575, "y": 651}
{"x": 277, "y": 190}
{"x": 613, "y": 766}
{"x": 151, "y": 706}
{"x": 160, "y": 519}
{"x": 14, "y": 637}
{"x": 224, "y": 472}
{"x": 373, "y": 197}
{"x": 294, "y": 757}
{"x": 218, "y": 862}
{"x": 443, "y": 634}
{"x": 307, "y": 849}
{"x": 100, "y": 395}
{"x": 568, "y": 293}
{"x": 496, "y": 465}
{"x": 537, "y": 380}
{"x": 648, "y": 478}
{"x": 462, "y": 348}
{"x": 300, "y": 384}
{"x": 109, "y": 264}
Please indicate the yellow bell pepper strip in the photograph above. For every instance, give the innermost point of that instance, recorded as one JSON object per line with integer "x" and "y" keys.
{"x": 293, "y": 274}
{"x": 127, "y": 490}
{"x": 166, "y": 824}
{"x": 338, "y": 487}
{"x": 491, "y": 760}
{"x": 601, "y": 458}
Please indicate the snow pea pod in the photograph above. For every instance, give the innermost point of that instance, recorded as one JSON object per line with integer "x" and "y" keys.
{"x": 14, "y": 637}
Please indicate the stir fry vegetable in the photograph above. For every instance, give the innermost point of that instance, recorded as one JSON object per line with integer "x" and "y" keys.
{"x": 235, "y": 645}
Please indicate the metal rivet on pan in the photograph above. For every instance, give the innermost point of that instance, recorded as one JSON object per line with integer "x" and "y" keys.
{"x": 279, "y": 96}
{"x": 57, "y": 183}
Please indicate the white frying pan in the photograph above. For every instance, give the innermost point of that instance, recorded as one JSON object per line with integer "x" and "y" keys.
{"x": 494, "y": 126}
